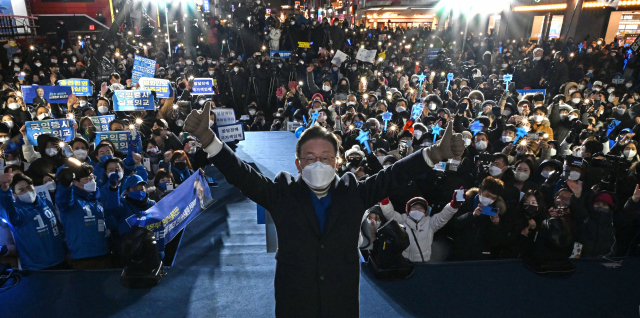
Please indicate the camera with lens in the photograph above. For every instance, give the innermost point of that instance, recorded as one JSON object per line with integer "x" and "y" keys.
{"x": 484, "y": 161}
{"x": 614, "y": 167}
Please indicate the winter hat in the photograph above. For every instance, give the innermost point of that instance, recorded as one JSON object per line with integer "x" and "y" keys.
{"x": 604, "y": 197}
{"x": 317, "y": 95}
{"x": 417, "y": 201}
{"x": 355, "y": 150}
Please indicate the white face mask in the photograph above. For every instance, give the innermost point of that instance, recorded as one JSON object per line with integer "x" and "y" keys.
{"x": 574, "y": 175}
{"x": 610, "y": 90}
{"x": 485, "y": 201}
{"x": 581, "y": 87}
{"x": 103, "y": 109}
{"x": 28, "y": 197}
{"x": 83, "y": 103}
{"x": 575, "y": 100}
{"x": 211, "y": 72}
{"x": 506, "y": 139}
{"x": 520, "y": 110}
{"x": 432, "y": 106}
{"x": 538, "y": 118}
{"x": 506, "y": 113}
{"x": 611, "y": 98}
{"x": 51, "y": 151}
{"x": 13, "y": 106}
{"x": 417, "y": 133}
{"x": 90, "y": 186}
{"x": 545, "y": 173}
{"x": 571, "y": 91}
{"x": 236, "y": 69}
{"x": 80, "y": 154}
{"x": 38, "y": 64}
{"x": 51, "y": 186}
{"x": 494, "y": 171}
{"x": 481, "y": 145}
{"x": 3, "y": 140}
{"x": 211, "y": 122}
{"x": 537, "y": 58}
{"x": 572, "y": 117}
{"x": 41, "y": 116}
{"x": 552, "y": 152}
{"x": 630, "y": 154}
{"x": 467, "y": 142}
{"x": 201, "y": 102}
{"x": 416, "y": 215}
{"x": 12, "y": 162}
{"x": 318, "y": 175}
{"x": 521, "y": 176}
{"x": 577, "y": 153}
{"x": 326, "y": 88}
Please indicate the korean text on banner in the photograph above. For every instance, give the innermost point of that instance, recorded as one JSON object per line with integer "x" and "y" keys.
{"x": 202, "y": 86}
{"x": 339, "y": 58}
{"x": 79, "y": 86}
{"x": 102, "y": 122}
{"x": 162, "y": 87}
{"x": 142, "y": 67}
{"x": 523, "y": 92}
{"x": 133, "y": 100}
{"x": 304, "y": 45}
{"x": 34, "y": 94}
{"x": 61, "y": 128}
{"x": 224, "y": 116}
{"x": 283, "y": 54}
{"x": 119, "y": 138}
{"x": 174, "y": 212}
{"x": 231, "y": 133}
{"x": 366, "y": 55}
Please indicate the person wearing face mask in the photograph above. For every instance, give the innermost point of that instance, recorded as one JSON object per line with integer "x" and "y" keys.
{"x": 479, "y": 144}
{"x": 180, "y": 166}
{"x": 559, "y": 121}
{"x": 14, "y": 109}
{"x": 83, "y": 217}
{"x": 420, "y": 224}
{"x": 523, "y": 224}
{"x": 326, "y": 90}
{"x": 312, "y": 192}
{"x": 523, "y": 172}
{"x": 405, "y": 145}
{"x": 49, "y": 155}
{"x": 134, "y": 201}
{"x": 477, "y": 234}
{"x": 29, "y": 215}
{"x": 539, "y": 122}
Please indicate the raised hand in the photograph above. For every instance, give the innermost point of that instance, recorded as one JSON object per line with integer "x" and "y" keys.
{"x": 197, "y": 124}
{"x": 6, "y": 179}
{"x": 576, "y": 187}
{"x": 450, "y": 146}
{"x": 636, "y": 194}
{"x": 137, "y": 158}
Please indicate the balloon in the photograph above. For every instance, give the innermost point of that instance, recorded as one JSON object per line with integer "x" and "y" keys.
{"x": 299, "y": 131}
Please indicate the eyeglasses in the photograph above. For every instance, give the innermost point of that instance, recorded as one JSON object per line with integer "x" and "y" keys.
{"x": 326, "y": 159}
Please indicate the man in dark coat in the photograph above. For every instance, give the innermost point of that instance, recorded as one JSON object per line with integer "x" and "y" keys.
{"x": 317, "y": 214}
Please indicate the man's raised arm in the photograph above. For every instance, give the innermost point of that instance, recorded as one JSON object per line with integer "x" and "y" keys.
{"x": 254, "y": 185}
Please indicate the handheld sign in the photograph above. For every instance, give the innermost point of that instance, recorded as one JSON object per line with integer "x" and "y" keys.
{"x": 363, "y": 138}
{"x": 449, "y": 78}
{"x": 386, "y": 117}
{"x": 102, "y": 122}
{"x": 120, "y": 139}
{"x": 79, "y": 86}
{"x": 304, "y": 45}
{"x": 339, "y": 57}
{"x": 231, "y": 133}
{"x": 34, "y": 94}
{"x": 162, "y": 87}
{"x": 142, "y": 67}
{"x": 60, "y": 128}
{"x": 224, "y": 116}
{"x": 202, "y": 86}
{"x": 133, "y": 100}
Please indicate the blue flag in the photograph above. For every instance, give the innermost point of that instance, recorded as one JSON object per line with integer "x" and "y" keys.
{"x": 133, "y": 100}
{"x": 61, "y": 128}
{"x": 174, "y": 212}
{"x": 142, "y": 67}
{"x": 202, "y": 86}
{"x": 50, "y": 94}
{"x": 79, "y": 86}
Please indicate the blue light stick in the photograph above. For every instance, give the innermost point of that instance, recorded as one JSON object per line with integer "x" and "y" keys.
{"x": 386, "y": 117}
{"x": 520, "y": 133}
{"x": 449, "y": 78}
{"x": 435, "y": 130}
{"x": 476, "y": 127}
{"x": 580, "y": 46}
{"x": 507, "y": 79}
{"x": 416, "y": 111}
{"x": 421, "y": 78}
{"x": 363, "y": 138}
{"x": 314, "y": 116}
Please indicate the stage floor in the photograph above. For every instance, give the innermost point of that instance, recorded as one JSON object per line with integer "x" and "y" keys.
{"x": 222, "y": 270}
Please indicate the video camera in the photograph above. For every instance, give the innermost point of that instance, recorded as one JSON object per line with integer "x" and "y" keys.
{"x": 615, "y": 168}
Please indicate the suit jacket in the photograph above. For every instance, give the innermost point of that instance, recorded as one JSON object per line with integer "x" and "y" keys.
{"x": 317, "y": 274}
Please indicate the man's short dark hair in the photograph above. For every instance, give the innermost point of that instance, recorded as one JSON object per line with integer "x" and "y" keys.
{"x": 316, "y": 132}
{"x": 493, "y": 185}
{"x": 20, "y": 177}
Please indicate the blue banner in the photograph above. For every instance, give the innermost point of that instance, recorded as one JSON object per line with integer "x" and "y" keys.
{"x": 224, "y": 116}
{"x": 142, "y": 67}
{"x": 120, "y": 139}
{"x": 202, "y": 86}
{"x": 231, "y": 133}
{"x": 102, "y": 122}
{"x": 205, "y": 5}
{"x": 283, "y": 54}
{"x": 174, "y": 212}
{"x": 523, "y": 92}
{"x": 50, "y": 94}
{"x": 133, "y": 101}
{"x": 432, "y": 54}
{"x": 162, "y": 87}
{"x": 61, "y": 128}
{"x": 79, "y": 86}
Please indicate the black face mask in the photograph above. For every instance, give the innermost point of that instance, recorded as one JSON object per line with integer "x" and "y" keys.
{"x": 530, "y": 211}
{"x": 180, "y": 165}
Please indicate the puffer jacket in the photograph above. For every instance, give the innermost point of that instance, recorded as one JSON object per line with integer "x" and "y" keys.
{"x": 422, "y": 230}
{"x": 545, "y": 126}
